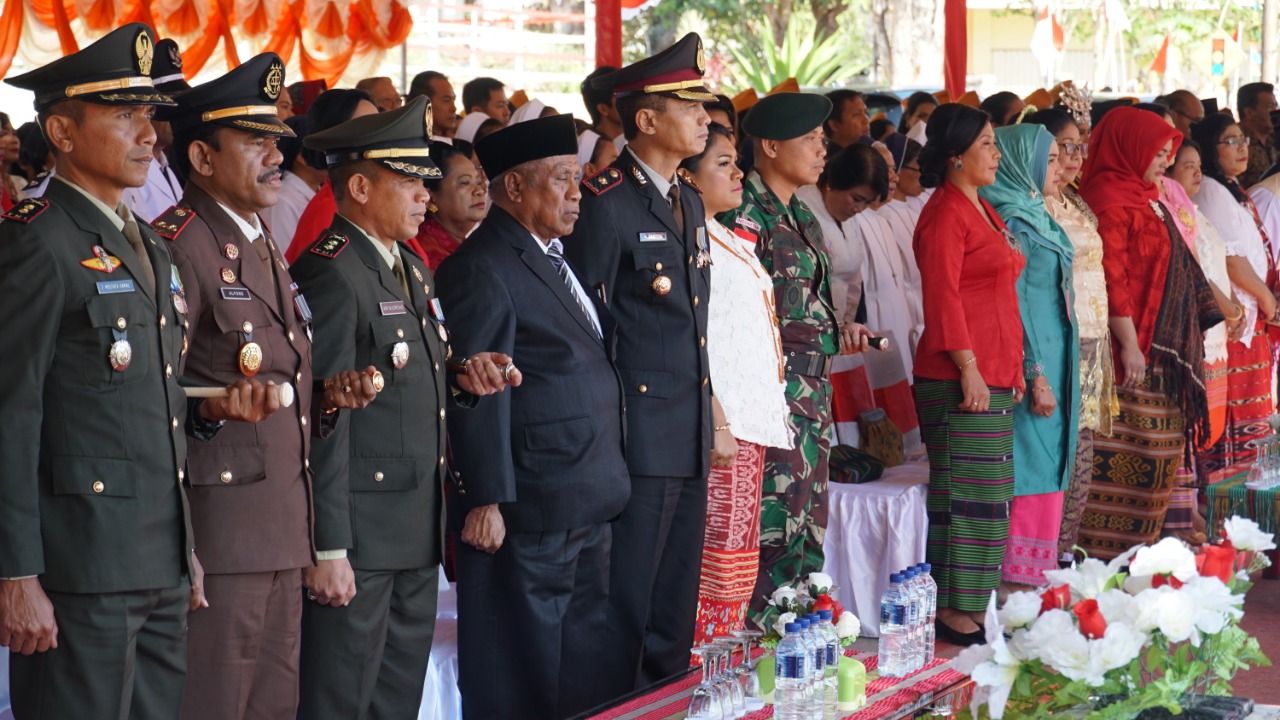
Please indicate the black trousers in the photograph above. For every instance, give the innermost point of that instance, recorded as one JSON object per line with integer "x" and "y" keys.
{"x": 368, "y": 660}
{"x": 653, "y": 591}
{"x": 120, "y": 656}
{"x": 530, "y": 622}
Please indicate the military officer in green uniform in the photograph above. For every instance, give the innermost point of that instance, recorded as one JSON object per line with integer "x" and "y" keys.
{"x": 97, "y": 570}
{"x": 378, "y": 479}
{"x": 786, "y": 132}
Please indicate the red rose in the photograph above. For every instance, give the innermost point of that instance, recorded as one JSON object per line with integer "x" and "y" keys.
{"x": 823, "y": 602}
{"x": 1171, "y": 581}
{"x": 1058, "y": 598}
{"x": 836, "y": 611}
{"x": 1090, "y": 618}
{"x": 1217, "y": 561}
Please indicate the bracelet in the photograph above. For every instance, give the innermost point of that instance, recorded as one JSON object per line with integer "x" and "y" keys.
{"x": 1239, "y": 316}
{"x": 968, "y": 362}
{"x": 725, "y": 426}
{"x": 1037, "y": 387}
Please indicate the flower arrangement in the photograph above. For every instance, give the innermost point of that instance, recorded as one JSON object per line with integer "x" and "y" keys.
{"x": 1157, "y": 627}
{"x": 811, "y": 595}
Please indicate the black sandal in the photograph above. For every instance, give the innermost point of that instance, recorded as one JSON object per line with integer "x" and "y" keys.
{"x": 955, "y": 637}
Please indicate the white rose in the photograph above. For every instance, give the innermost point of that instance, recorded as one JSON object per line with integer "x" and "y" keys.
{"x": 1020, "y": 608}
{"x": 1136, "y": 585}
{"x": 783, "y": 596}
{"x": 1085, "y": 579}
{"x": 1170, "y": 556}
{"x": 1116, "y": 606}
{"x": 819, "y": 583}
{"x": 1118, "y": 646}
{"x": 1214, "y": 603}
{"x": 1048, "y": 629}
{"x": 780, "y": 625}
{"x": 1175, "y": 615}
{"x": 1245, "y": 534}
{"x": 1060, "y": 645}
{"x": 848, "y": 626}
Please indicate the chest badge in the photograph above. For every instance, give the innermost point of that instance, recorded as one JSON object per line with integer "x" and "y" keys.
{"x": 231, "y": 251}
{"x": 661, "y": 285}
{"x": 228, "y": 275}
{"x": 102, "y": 261}
{"x": 400, "y": 355}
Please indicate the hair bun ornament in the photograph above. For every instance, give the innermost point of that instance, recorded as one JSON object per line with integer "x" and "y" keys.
{"x": 1078, "y": 101}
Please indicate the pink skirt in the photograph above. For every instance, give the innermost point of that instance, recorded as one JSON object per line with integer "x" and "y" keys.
{"x": 1035, "y": 523}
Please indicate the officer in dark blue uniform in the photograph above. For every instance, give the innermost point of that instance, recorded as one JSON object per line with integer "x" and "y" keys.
{"x": 641, "y": 244}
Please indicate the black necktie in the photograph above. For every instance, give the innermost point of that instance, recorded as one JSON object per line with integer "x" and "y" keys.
{"x": 562, "y": 268}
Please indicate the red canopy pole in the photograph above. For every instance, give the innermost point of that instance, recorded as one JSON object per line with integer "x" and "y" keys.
{"x": 956, "y": 53}
{"x": 609, "y": 33}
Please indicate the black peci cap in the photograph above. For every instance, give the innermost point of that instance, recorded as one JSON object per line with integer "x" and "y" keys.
{"x": 243, "y": 99}
{"x": 166, "y": 73}
{"x": 524, "y": 142}
{"x": 398, "y": 140}
{"x": 115, "y": 70}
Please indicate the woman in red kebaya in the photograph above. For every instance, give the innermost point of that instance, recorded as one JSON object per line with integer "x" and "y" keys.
{"x": 968, "y": 367}
{"x": 1160, "y": 305}
{"x": 457, "y": 205}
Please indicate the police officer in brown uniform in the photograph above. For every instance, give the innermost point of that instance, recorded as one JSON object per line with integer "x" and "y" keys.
{"x": 250, "y": 487}
{"x": 97, "y": 572}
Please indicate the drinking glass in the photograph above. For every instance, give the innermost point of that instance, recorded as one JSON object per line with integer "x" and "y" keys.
{"x": 706, "y": 702}
{"x": 747, "y": 675}
{"x": 735, "y": 700}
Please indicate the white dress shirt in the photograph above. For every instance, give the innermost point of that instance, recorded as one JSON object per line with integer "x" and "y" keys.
{"x": 573, "y": 278}
{"x": 160, "y": 192}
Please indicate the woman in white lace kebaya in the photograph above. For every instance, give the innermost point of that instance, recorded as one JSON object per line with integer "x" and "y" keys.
{"x": 749, "y": 408}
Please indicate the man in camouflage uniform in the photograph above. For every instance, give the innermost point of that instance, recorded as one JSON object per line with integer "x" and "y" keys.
{"x": 786, "y": 132}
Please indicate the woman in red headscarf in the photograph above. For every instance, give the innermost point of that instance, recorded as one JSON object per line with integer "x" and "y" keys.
{"x": 1160, "y": 305}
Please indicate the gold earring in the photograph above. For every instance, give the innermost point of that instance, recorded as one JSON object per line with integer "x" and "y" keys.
{"x": 432, "y": 208}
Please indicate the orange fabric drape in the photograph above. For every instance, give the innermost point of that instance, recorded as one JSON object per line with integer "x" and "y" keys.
{"x": 10, "y": 33}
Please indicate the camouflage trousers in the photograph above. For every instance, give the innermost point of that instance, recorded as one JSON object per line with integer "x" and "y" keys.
{"x": 793, "y": 508}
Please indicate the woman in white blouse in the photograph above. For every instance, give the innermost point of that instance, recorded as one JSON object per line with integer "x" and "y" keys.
{"x": 749, "y": 408}
{"x": 1251, "y": 268}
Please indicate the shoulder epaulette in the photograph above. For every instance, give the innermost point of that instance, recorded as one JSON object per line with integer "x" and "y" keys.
{"x": 330, "y": 245}
{"x": 37, "y": 180}
{"x": 27, "y": 210}
{"x": 603, "y": 181}
{"x": 172, "y": 221}
{"x": 692, "y": 184}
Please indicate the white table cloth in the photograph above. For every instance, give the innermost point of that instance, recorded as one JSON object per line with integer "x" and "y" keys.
{"x": 875, "y": 529}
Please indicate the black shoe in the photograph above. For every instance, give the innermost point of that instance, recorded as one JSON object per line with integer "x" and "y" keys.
{"x": 955, "y": 637}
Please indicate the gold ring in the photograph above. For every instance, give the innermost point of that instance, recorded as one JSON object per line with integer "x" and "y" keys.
{"x": 346, "y": 389}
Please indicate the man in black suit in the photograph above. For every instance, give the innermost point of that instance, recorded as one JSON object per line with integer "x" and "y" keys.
{"x": 540, "y": 470}
{"x": 642, "y": 241}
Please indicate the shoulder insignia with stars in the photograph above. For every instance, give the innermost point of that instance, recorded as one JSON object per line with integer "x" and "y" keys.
{"x": 37, "y": 181}
{"x": 330, "y": 245}
{"x": 27, "y": 210}
{"x": 603, "y": 181}
{"x": 172, "y": 221}
{"x": 689, "y": 181}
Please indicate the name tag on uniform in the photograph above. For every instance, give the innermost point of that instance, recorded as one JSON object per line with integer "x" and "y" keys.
{"x": 235, "y": 293}
{"x": 392, "y": 308}
{"x": 111, "y": 287}
{"x": 653, "y": 237}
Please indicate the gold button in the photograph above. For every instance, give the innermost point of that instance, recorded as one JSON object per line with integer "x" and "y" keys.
{"x": 186, "y": 324}
{"x": 695, "y": 301}
{"x": 120, "y": 323}
{"x": 702, "y": 342}
{"x": 168, "y": 370}
{"x": 225, "y": 476}
{"x": 690, "y": 260}
{"x": 705, "y": 381}
{"x": 304, "y": 421}
{"x": 298, "y": 378}
{"x": 426, "y": 289}
{"x": 643, "y": 388}
{"x": 306, "y": 464}
{"x": 247, "y": 326}
{"x": 98, "y": 486}
{"x": 399, "y": 333}
{"x": 657, "y": 266}
{"x": 181, "y": 475}
{"x": 424, "y": 322}
{"x": 290, "y": 336}
{"x": 377, "y": 477}
{"x": 435, "y": 366}
{"x": 441, "y": 461}
{"x": 163, "y": 321}
{"x": 441, "y": 413}
{"x": 174, "y": 423}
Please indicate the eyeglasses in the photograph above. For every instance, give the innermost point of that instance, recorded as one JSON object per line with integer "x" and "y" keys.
{"x": 1191, "y": 118}
{"x": 1070, "y": 148}
{"x": 1235, "y": 142}
{"x": 913, "y": 168}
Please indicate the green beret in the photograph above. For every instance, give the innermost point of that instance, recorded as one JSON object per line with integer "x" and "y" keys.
{"x": 786, "y": 115}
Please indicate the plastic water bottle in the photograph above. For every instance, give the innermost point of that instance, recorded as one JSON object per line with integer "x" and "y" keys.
{"x": 831, "y": 682}
{"x": 791, "y": 675}
{"x": 819, "y": 665}
{"x": 893, "y": 629}
{"x": 931, "y": 610}
{"x": 812, "y": 648}
{"x": 915, "y": 619}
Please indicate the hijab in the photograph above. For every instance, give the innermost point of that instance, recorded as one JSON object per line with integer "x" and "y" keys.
{"x": 1121, "y": 149}
{"x": 1017, "y": 192}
